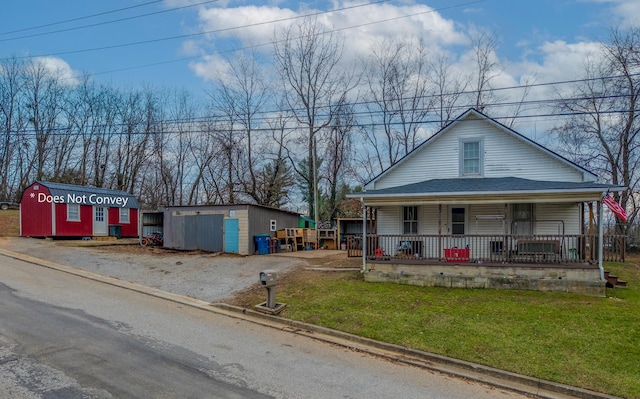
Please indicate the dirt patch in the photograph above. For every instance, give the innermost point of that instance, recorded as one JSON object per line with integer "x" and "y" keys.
{"x": 208, "y": 276}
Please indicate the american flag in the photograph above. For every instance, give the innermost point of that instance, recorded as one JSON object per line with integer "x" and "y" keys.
{"x": 614, "y": 207}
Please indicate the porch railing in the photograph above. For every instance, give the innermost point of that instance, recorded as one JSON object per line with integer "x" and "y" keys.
{"x": 490, "y": 248}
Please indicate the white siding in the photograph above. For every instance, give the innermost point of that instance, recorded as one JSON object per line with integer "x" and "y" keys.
{"x": 548, "y": 217}
{"x": 504, "y": 156}
{"x": 388, "y": 220}
{"x": 486, "y": 219}
{"x": 428, "y": 220}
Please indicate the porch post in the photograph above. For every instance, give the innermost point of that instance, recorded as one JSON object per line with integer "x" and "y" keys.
{"x": 600, "y": 233}
{"x": 364, "y": 236}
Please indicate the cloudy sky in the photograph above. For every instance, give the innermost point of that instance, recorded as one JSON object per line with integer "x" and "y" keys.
{"x": 178, "y": 43}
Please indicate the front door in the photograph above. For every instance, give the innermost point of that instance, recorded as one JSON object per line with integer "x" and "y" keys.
{"x": 522, "y": 219}
{"x": 99, "y": 221}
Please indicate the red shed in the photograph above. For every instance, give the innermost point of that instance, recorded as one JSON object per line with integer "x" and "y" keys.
{"x": 64, "y": 210}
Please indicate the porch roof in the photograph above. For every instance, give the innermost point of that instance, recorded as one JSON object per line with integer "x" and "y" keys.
{"x": 501, "y": 189}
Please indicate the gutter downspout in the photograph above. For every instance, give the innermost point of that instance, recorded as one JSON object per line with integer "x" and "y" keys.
{"x": 600, "y": 243}
{"x": 364, "y": 236}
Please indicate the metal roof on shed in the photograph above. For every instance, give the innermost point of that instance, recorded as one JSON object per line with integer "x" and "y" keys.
{"x": 63, "y": 190}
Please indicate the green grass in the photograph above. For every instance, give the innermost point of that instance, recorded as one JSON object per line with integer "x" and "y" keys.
{"x": 583, "y": 341}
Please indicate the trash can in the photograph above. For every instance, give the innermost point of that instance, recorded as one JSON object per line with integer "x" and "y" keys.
{"x": 262, "y": 243}
{"x": 115, "y": 230}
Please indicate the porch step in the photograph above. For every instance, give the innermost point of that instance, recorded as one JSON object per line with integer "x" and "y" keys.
{"x": 612, "y": 280}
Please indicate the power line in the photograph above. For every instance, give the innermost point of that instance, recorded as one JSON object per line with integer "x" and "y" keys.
{"x": 205, "y": 32}
{"x": 108, "y": 22}
{"x": 80, "y": 18}
{"x": 261, "y": 44}
{"x": 164, "y": 124}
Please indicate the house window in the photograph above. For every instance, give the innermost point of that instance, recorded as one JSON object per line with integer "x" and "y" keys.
{"x": 410, "y": 220}
{"x": 457, "y": 220}
{"x": 272, "y": 225}
{"x": 73, "y": 212}
{"x": 523, "y": 219}
{"x": 471, "y": 158}
{"x": 124, "y": 215}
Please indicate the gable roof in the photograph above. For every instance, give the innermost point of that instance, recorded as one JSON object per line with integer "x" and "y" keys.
{"x": 473, "y": 112}
{"x": 85, "y": 193}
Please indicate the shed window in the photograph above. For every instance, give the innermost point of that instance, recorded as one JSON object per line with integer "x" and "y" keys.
{"x": 73, "y": 212}
{"x": 124, "y": 215}
{"x": 272, "y": 225}
{"x": 410, "y": 220}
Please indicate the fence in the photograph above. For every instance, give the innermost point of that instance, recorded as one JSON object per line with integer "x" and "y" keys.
{"x": 489, "y": 248}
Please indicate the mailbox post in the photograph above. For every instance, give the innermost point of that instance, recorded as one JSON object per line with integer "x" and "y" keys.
{"x": 269, "y": 279}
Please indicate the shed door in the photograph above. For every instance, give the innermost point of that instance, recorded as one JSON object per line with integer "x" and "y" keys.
{"x": 231, "y": 236}
{"x": 99, "y": 221}
{"x": 210, "y": 232}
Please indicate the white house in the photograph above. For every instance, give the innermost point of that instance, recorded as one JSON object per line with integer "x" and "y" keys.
{"x": 480, "y": 205}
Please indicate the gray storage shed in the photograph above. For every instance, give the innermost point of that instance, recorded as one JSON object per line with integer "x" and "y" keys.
{"x": 222, "y": 228}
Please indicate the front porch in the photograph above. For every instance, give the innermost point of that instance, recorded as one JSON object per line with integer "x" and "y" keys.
{"x": 548, "y": 249}
{"x": 564, "y": 263}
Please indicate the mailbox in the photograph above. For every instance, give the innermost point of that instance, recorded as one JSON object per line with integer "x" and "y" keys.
{"x": 268, "y": 278}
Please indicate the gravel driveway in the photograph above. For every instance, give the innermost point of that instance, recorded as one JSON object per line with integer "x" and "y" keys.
{"x": 207, "y": 276}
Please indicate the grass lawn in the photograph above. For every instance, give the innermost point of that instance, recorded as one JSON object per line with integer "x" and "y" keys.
{"x": 589, "y": 342}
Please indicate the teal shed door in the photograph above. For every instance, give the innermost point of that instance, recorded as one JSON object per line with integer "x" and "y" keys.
{"x": 231, "y": 236}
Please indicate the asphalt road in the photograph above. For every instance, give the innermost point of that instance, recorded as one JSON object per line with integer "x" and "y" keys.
{"x": 63, "y": 336}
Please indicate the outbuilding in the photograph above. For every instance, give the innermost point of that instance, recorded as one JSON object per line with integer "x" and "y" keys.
{"x": 223, "y": 228}
{"x": 64, "y": 210}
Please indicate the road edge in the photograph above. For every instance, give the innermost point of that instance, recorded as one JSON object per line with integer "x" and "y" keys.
{"x": 458, "y": 368}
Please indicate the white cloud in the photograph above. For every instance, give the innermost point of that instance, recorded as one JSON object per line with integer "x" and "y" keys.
{"x": 59, "y": 68}
{"x": 360, "y": 27}
{"x": 627, "y": 11}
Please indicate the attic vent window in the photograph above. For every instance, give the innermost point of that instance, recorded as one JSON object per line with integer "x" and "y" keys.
{"x": 471, "y": 159}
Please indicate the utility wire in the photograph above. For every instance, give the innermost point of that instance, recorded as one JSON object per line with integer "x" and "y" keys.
{"x": 190, "y": 35}
{"x": 80, "y": 18}
{"x": 268, "y": 115}
{"x": 272, "y": 42}
{"x": 108, "y": 22}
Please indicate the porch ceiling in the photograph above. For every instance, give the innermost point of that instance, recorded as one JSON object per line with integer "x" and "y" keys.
{"x": 486, "y": 191}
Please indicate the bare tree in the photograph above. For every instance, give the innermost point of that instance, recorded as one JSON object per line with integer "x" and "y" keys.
{"x": 337, "y": 157}
{"x": 448, "y": 88}
{"x": 308, "y": 60}
{"x": 487, "y": 67}
{"x": 12, "y": 125}
{"x": 397, "y": 89}
{"x": 44, "y": 95}
{"x": 241, "y": 95}
{"x": 204, "y": 152}
{"x": 136, "y": 125}
{"x": 604, "y": 126}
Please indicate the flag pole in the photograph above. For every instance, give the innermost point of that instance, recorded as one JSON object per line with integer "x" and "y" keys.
{"x": 600, "y": 234}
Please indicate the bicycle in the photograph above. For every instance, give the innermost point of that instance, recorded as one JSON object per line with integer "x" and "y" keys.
{"x": 156, "y": 238}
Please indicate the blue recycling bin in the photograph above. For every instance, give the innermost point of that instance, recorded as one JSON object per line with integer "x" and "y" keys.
{"x": 262, "y": 243}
